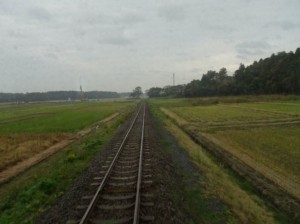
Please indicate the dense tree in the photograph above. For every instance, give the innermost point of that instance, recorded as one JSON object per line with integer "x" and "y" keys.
{"x": 155, "y": 92}
{"x": 278, "y": 74}
{"x": 169, "y": 91}
{"x": 193, "y": 89}
{"x": 137, "y": 92}
{"x": 174, "y": 91}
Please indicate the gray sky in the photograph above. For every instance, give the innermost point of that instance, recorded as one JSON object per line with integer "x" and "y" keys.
{"x": 120, "y": 44}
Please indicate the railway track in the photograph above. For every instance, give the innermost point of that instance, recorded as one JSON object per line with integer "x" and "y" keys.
{"x": 121, "y": 191}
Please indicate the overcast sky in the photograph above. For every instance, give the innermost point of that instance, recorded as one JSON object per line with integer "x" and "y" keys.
{"x": 119, "y": 44}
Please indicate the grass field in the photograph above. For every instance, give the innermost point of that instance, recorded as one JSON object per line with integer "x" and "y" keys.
{"x": 263, "y": 133}
{"x": 276, "y": 147}
{"x": 28, "y": 129}
{"x": 222, "y": 113}
{"x": 291, "y": 108}
{"x": 47, "y": 118}
{"x": 24, "y": 198}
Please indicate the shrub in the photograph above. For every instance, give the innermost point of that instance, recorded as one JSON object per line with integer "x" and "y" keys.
{"x": 47, "y": 186}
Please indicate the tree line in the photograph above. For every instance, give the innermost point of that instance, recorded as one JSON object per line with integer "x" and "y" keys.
{"x": 56, "y": 95}
{"x": 277, "y": 74}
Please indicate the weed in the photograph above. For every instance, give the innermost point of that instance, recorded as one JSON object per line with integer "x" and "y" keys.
{"x": 71, "y": 157}
{"x": 47, "y": 186}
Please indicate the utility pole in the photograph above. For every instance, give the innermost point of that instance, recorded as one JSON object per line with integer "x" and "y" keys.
{"x": 173, "y": 79}
{"x": 81, "y": 94}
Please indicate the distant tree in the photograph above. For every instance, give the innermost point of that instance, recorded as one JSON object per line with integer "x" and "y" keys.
{"x": 193, "y": 89}
{"x": 174, "y": 91}
{"x": 54, "y": 95}
{"x": 155, "y": 92}
{"x": 137, "y": 92}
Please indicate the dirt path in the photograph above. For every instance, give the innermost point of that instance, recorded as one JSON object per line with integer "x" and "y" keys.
{"x": 22, "y": 166}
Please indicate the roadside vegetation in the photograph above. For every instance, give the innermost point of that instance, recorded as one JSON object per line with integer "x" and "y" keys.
{"x": 264, "y": 135}
{"x": 26, "y": 197}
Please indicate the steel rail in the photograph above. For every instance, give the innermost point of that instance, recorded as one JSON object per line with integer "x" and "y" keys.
{"x": 138, "y": 198}
{"x": 92, "y": 204}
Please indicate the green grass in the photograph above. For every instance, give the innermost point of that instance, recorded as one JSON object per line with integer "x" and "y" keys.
{"x": 168, "y": 102}
{"x": 263, "y": 135}
{"x": 222, "y": 113}
{"x": 171, "y": 102}
{"x": 276, "y": 147}
{"x": 285, "y": 107}
{"x": 65, "y": 117}
{"x": 23, "y": 199}
{"x": 10, "y": 111}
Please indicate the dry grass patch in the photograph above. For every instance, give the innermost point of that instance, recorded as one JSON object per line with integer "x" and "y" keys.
{"x": 273, "y": 151}
{"x": 19, "y": 147}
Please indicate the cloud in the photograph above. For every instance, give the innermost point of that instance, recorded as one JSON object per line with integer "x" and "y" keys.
{"x": 117, "y": 40}
{"x": 39, "y": 14}
{"x": 51, "y": 56}
{"x": 130, "y": 18}
{"x": 285, "y": 25}
{"x": 60, "y": 41}
{"x": 15, "y": 34}
{"x": 252, "y": 48}
{"x": 195, "y": 70}
{"x": 172, "y": 12}
{"x": 221, "y": 28}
